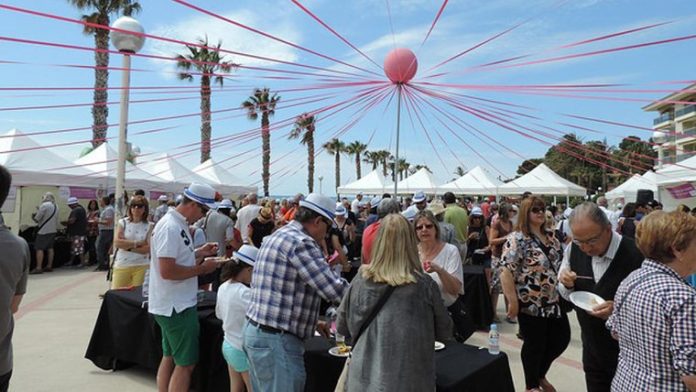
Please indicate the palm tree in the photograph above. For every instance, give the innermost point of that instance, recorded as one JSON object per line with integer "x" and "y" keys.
{"x": 372, "y": 158}
{"x": 336, "y": 147}
{"x": 414, "y": 169}
{"x": 384, "y": 156}
{"x": 207, "y": 61}
{"x": 402, "y": 167}
{"x": 102, "y": 11}
{"x": 264, "y": 103}
{"x": 356, "y": 148}
{"x": 460, "y": 171}
{"x": 305, "y": 126}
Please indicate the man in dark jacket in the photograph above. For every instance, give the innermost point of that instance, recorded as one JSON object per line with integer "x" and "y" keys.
{"x": 597, "y": 260}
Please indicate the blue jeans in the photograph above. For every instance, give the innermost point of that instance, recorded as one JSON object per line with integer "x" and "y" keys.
{"x": 276, "y": 361}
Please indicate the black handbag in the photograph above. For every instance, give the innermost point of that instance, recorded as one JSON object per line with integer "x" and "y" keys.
{"x": 464, "y": 325}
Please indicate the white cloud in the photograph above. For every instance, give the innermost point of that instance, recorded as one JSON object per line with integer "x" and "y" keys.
{"x": 273, "y": 21}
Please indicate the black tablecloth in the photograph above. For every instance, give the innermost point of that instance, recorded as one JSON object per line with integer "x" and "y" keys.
{"x": 458, "y": 367}
{"x": 477, "y": 296}
{"x": 126, "y": 335}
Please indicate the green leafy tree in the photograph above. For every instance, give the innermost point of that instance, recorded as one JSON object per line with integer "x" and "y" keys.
{"x": 638, "y": 156}
{"x": 101, "y": 12}
{"x": 529, "y": 165}
{"x": 207, "y": 62}
{"x": 263, "y": 103}
{"x": 305, "y": 125}
{"x": 371, "y": 157}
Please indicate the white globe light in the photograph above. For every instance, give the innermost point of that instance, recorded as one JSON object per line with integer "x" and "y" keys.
{"x": 658, "y": 135}
{"x": 123, "y": 41}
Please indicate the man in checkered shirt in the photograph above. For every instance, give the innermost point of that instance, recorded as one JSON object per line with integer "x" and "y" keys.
{"x": 290, "y": 278}
{"x": 654, "y": 316}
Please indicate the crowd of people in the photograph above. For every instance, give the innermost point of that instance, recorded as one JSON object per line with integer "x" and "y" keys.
{"x": 385, "y": 262}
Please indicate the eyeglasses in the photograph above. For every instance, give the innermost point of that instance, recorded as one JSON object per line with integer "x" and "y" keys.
{"x": 591, "y": 241}
{"x": 138, "y": 206}
{"x": 425, "y": 226}
{"x": 537, "y": 210}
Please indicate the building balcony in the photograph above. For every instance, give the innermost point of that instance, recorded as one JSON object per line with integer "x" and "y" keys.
{"x": 664, "y": 120}
{"x": 687, "y": 133}
{"x": 685, "y": 113}
{"x": 669, "y": 159}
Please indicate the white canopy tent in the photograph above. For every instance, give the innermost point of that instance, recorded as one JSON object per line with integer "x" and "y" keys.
{"x": 32, "y": 164}
{"x": 629, "y": 189}
{"x": 171, "y": 172}
{"x": 475, "y": 182}
{"x": 683, "y": 172}
{"x": 422, "y": 180}
{"x": 102, "y": 162}
{"x": 221, "y": 179}
{"x": 543, "y": 181}
{"x": 372, "y": 183}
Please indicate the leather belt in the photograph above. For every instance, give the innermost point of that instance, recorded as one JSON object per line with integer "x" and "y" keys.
{"x": 266, "y": 328}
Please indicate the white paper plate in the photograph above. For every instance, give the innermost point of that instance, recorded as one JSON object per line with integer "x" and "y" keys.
{"x": 334, "y": 351}
{"x": 439, "y": 346}
{"x": 585, "y": 300}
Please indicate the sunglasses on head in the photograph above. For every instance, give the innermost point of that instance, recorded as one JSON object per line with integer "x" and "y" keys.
{"x": 424, "y": 226}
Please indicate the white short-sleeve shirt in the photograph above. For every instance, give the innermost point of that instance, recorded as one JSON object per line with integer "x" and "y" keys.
{"x": 232, "y": 302}
{"x": 450, "y": 261}
{"x": 171, "y": 238}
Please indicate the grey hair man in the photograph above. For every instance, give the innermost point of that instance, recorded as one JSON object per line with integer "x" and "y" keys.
{"x": 245, "y": 215}
{"x": 46, "y": 217}
{"x": 597, "y": 260}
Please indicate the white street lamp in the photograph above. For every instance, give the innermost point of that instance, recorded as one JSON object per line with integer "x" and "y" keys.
{"x": 321, "y": 178}
{"x": 127, "y": 44}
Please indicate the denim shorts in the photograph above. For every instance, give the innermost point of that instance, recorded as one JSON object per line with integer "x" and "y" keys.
{"x": 235, "y": 358}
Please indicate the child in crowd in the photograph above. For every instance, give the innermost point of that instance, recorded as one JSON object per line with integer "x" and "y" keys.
{"x": 232, "y": 301}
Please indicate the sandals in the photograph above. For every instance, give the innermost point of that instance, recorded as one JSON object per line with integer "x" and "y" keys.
{"x": 35, "y": 272}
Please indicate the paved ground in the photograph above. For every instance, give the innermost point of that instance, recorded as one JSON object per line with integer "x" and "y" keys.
{"x": 57, "y": 315}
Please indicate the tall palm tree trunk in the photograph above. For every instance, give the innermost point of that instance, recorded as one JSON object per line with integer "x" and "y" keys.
{"x": 338, "y": 170}
{"x": 310, "y": 162}
{"x": 206, "y": 128}
{"x": 266, "y": 139}
{"x": 384, "y": 167}
{"x": 357, "y": 165}
{"x": 100, "y": 111}
{"x": 374, "y": 165}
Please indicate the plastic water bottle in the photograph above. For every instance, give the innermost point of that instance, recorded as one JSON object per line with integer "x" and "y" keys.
{"x": 493, "y": 340}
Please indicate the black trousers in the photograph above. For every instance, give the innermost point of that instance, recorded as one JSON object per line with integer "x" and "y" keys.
{"x": 545, "y": 339}
{"x": 5, "y": 381}
{"x": 599, "y": 365}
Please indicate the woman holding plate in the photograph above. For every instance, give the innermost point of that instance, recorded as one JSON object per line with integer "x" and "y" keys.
{"x": 383, "y": 357}
{"x": 530, "y": 260}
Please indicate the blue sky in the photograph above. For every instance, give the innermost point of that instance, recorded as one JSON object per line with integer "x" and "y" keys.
{"x": 367, "y": 25}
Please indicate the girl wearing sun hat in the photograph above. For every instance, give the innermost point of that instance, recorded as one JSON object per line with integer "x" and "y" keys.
{"x": 232, "y": 301}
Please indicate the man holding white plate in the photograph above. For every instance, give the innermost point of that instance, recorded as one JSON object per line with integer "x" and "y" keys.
{"x": 597, "y": 261}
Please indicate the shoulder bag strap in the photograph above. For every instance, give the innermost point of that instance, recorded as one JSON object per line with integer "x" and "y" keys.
{"x": 372, "y": 315}
{"x": 49, "y": 218}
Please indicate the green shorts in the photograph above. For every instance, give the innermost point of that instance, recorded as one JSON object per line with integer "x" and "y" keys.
{"x": 180, "y": 336}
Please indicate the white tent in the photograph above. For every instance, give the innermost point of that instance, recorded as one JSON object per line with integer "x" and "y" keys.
{"x": 31, "y": 164}
{"x": 103, "y": 161}
{"x": 171, "y": 172}
{"x": 683, "y": 172}
{"x": 222, "y": 179}
{"x": 475, "y": 182}
{"x": 422, "y": 180}
{"x": 542, "y": 181}
{"x": 371, "y": 183}
{"x": 629, "y": 189}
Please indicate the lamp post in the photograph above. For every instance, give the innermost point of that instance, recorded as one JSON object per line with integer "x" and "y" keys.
{"x": 127, "y": 44}
{"x": 321, "y": 178}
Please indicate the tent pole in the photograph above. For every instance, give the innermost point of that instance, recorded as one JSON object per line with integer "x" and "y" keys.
{"x": 568, "y": 201}
{"x": 398, "y": 129}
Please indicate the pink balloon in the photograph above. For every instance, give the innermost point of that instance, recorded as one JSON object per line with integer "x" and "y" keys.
{"x": 400, "y": 65}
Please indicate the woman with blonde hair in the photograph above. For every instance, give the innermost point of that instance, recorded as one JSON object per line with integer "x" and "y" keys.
{"x": 133, "y": 245}
{"x": 383, "y": 355}
{"x": 654, "y": 309}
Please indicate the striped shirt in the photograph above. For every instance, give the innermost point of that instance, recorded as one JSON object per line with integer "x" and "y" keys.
{"x": 290, "y": 277}
{"x": 654, "y": 320}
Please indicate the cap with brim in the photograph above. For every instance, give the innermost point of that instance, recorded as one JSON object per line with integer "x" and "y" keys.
{"x": 476, "y": 211}
{"x": 375, "y": 201}
{"x": 201, "y": 193}
{"x": 225, "y": 204}
{"x": 436, "y": 208}
{"x": 320, "y": 204}
{"x": 341, "y": 211}
{"x": 72, "y": 200}
{"x": 419, "y": 197}
{"x": 163, "y": 198}
{"x": 409, "y": 214}
{"x": 265, "y": 213}
{"x": 246, "y": 254}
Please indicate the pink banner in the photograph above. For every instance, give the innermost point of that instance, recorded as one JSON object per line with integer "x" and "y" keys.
{"x": 154, "y": 195}
{"x": 83, "y": 193}
{"x": 683, "y": 191}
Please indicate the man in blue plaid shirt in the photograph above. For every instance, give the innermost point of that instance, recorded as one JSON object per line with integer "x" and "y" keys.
{"x": 290, "y": 278}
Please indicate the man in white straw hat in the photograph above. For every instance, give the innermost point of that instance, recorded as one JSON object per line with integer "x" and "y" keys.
{"x": 76, "y": 230}
{"x": 290, "y": 278}
{"x": 173, "y": 285}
